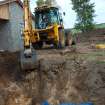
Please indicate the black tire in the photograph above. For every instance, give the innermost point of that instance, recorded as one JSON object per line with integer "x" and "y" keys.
{"x": 61, "y": 43}
{"x": 37, "y": 45}
{"x": 56, "y": 45}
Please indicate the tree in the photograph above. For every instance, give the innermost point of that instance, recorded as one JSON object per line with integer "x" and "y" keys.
{"x": 40, "y": 2}
{"x": 85, "y": 14}
{"x": 50, "y": 2}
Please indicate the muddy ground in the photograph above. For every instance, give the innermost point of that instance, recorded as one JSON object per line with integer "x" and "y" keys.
{"x": 75, "y": 74}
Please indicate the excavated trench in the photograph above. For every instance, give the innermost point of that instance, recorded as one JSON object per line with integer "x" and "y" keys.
{"x": 61, "y": 76}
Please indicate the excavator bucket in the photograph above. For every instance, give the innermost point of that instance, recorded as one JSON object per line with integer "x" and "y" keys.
{"x": 28, "y": 63}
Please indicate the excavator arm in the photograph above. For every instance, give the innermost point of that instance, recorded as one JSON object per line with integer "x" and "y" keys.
{"x": 28, "y": 55}
{"x": 27, "y": 27}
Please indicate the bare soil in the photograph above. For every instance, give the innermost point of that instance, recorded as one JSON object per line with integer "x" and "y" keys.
{"x": 75, "y": 74}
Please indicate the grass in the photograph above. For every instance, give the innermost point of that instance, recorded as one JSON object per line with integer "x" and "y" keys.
{"x": 99, "y": 26}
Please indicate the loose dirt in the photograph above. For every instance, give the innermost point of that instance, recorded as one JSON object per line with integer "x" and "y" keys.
{"x": 75, "y": 74}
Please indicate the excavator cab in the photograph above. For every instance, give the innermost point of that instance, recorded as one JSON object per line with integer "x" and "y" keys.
{"x": 49, "y": 26}
{"x": 47, "y": 17}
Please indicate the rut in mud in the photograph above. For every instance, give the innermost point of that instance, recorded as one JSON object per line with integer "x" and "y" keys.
{"x": 59, "y": 77}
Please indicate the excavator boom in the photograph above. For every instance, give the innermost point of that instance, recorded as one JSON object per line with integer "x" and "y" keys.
{"x": 28, "y": 55}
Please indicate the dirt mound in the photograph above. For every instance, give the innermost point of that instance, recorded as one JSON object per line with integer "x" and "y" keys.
{"x": 69, "y": 77}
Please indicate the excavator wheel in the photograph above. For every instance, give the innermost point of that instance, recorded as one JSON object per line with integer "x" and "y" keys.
{"x": 61, "y": 38}
{"x": 37, "y": 45}
{"x": 61, "y": 43}
{"x": 28, "y": 62}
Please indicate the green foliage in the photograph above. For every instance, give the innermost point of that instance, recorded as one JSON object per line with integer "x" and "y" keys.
{"x": 40, "y": 2}
{"x": 100, "y": 26}
{"x": 85, "y": 13}
{"x": 48, "y": 2}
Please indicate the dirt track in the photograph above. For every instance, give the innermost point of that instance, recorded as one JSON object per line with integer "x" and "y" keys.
{"x": 62, "y": 76}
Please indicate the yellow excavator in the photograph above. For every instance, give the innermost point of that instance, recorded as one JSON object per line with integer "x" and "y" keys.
{"x": 49, "y": 29}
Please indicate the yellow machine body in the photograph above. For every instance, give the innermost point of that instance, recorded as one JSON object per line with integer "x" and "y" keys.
{"x": 29, "y": 33}
{"x": 100, "y": 46}
{"x": 52, "y": 33}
